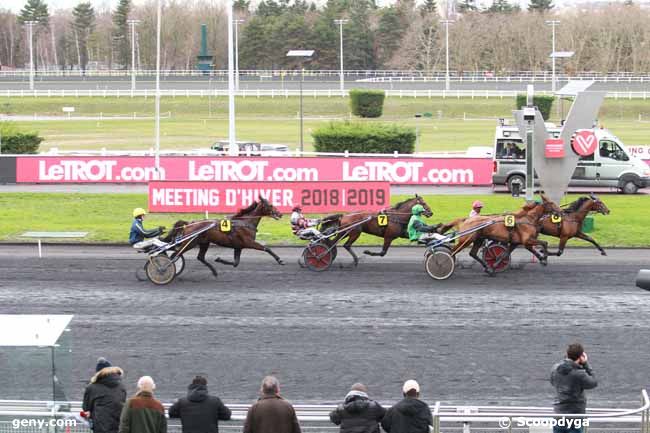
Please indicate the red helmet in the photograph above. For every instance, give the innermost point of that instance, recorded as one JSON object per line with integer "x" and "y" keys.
{"x": 297, "y": 209}
{"x": 477, "y": 204}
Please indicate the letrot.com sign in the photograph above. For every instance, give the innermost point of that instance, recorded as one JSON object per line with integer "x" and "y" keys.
{"x": 409, "y": 171}
{"x": 226, "y": 197}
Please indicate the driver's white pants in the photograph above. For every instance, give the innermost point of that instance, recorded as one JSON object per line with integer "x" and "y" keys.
{"x": 148, "y": 242}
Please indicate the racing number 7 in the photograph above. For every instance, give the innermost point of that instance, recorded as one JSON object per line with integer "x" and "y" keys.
{"x": 382, "y": 220}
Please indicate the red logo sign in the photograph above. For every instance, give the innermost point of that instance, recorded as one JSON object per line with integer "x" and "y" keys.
{"x": 554, "y": 148}
{"x": 584, "y": 143}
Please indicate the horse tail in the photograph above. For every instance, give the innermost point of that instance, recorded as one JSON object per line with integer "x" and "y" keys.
{"x": 451, "y": 225}
{"x": 331, "y": 222}
{"x": 177, "y": 229}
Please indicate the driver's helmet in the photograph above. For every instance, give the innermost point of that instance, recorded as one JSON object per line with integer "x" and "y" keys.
{"x": 477, "y": 204}
{"x": 297, "y": 209}
{"x": 417, "y": 209}
{"x": 138, "y": 211}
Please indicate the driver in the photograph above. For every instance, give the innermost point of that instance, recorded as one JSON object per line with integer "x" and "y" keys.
{"x": 139, "y": 234}
{"x": 417, "y": 229}
{"x": 303, "y": 227}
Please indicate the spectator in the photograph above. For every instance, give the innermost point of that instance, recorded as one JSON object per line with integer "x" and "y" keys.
{"x": 571, "y": 377}
{"x": 358, "y": 414}
{"x": 143, "y": 413}
{"x": 199, "y": 412}
{"x": 271, "y": 413}
{"x": 411, "y": 415}
{"x": 104, "y": 398}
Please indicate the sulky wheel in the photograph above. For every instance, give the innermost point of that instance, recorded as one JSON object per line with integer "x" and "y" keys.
{"x": 160, "y": 270}
{"x": 496, "y": 256}
{"x": 440, "y": 264}
{"x": 318, "y": 257}
{"x": 180, "y": 265}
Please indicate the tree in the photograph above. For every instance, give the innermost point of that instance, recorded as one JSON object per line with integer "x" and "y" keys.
{"x": 501, "y": 6}
{"x": 83, "y": 25}
{"x": 35, "y": 10}
{"x": 467, "y": 6}
{"x": 389, "y": 34}
{"x": 429, "y": 7}
{"x": 120, "y": 33}
{"x": 540, "y": 5}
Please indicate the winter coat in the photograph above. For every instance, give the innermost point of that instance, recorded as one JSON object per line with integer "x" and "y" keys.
{"x": 570, "y": 381}
{"x": 104, "y": 398}
{"x": 408, "y": 416}
{"x": 358, "y": 414}
{"x": 271, "y": 414}
{"x": 143, "y": 414}
{"x": 199, "y": 412}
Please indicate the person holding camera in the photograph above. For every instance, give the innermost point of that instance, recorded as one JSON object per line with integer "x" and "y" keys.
{"x": 571, "y": 377}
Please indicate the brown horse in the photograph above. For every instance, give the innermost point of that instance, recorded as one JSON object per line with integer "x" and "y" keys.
{"x": 524, "y": 232}
{"x": 571, "y": 224}
{"x": 242, "y": 233}
{"x": 398, "y": 218}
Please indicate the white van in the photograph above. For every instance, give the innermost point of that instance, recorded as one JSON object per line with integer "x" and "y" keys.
{"x": 610, "y": 166}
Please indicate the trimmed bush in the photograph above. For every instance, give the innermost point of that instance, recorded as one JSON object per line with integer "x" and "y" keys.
{"x": 19, "y": 142}
{"x": 364, "y": 138}
{"x": 367, "y": 103}
{"x": 542, "y": 102}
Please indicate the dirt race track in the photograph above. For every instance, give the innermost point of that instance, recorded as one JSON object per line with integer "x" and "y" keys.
{"x": 468, "y": 340}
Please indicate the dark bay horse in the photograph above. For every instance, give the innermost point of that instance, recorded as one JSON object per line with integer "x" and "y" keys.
{"x": 398, "y": 218}
{"x": 525, "y": 231}
{"x": 242, "y": 233}
{"x": 571, "y": 224}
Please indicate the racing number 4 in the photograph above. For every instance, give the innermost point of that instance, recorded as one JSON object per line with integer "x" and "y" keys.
{"x": 225, "y": 225}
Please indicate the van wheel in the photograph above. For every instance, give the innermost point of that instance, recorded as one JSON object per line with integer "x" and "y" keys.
{"x": 629, "y": 188}
{"x": 516, "y": 179}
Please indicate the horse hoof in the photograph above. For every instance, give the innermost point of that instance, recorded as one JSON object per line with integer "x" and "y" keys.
{"x": 280, "y": 262}
{"x": 218, "y": 260}
{"x": 543, "y": 262}
{"x": 368, "y": 252}
{"x": 603, "y": 253}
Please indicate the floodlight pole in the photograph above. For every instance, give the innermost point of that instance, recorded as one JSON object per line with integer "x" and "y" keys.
{"x": 30, "y": 27}
{"x": 237, "y": 22}
{"x": 340, "y": 24}
{"x": 553, "y": 24}
{"x": 157, "y": 105}
{"x": 233, "y": 150}
{"x": 530, "y": 143}
{"x": 447, "y": 80}
{"x": 132, "y": 24}
{"x": 303, "y": 54}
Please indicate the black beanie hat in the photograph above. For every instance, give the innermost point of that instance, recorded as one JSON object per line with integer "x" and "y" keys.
{"x": 102, "y": 363}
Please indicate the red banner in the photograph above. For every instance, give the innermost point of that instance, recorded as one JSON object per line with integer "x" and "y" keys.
{"x": 405, "y": 171}
{"x": 228, "y": 197}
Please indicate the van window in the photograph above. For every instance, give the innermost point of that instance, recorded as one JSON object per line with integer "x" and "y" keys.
{"x": 510, "y": 149}
{"x": 609, "y": 149}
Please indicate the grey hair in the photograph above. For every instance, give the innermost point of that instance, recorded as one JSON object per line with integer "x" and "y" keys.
{"x": 270, "y": 385}
{"x": 146, "y": 383}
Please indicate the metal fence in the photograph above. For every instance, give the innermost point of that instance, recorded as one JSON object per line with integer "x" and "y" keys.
{"x": 315, "y": 418}
{"x": 286, "y": 93}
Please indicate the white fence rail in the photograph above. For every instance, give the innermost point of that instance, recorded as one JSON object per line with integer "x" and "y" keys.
{"x": 286, "y": 93}
{"x": 446, "y": 417}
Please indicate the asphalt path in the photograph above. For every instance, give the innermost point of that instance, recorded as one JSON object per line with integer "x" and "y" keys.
{"x": 469, "y": 340}
{"x": 317, "y": 83}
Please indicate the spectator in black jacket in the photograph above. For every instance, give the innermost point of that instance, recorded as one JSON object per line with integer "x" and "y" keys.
{"x": 358, "y": 414}
{"x": 411, "y": 415}
{"x": 199, "y": 412}
{"x": 571, "y": 377}
{"x": 104, "y": 398}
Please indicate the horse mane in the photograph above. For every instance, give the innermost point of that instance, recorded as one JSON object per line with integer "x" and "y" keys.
{"x": 178, "y": 225}
{"x": 397, "y": 206}
{"x": 573, "y": 207}
{"x": 246, "y": 210}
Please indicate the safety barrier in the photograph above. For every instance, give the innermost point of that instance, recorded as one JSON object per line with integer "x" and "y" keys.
{"x": 315, "y": 418}
{"x": 286, "y": 93}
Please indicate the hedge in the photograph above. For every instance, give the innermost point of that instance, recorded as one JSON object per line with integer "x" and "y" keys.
{"x": 21, "y": 143}
{"x": 364, "y": 138}
{"x": 542, "y": 102}
{"x": 367, "y": 103}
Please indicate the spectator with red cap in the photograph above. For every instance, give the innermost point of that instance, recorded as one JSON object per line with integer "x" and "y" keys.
{"x": 476, "y": 208}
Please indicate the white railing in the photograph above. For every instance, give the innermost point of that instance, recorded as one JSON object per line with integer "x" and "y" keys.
{"x": 453, "y": 417}
{"x": 286, "y": 93}
{"x": 265, "y": 73}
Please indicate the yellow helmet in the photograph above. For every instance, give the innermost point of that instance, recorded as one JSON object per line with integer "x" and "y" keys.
{"x": 138, "y": 211}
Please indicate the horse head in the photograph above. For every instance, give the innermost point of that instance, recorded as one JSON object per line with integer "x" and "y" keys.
{"x": 598, "y": 205}
{"x": 267, "y": 209}
{"x": 427, "y": 210}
